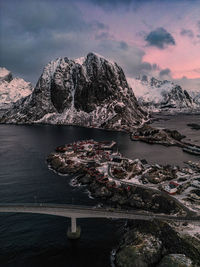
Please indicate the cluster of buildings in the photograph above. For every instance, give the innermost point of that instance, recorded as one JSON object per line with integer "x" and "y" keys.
{"x": 88, "y": 149}
{"x": 109, "y": 168}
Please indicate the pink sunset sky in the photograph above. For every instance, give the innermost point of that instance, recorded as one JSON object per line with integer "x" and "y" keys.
{"x": 132, "y": 23}
{"x": 155, "y": 37}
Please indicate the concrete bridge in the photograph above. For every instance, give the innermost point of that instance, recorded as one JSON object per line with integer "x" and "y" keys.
{"x": 75, "y": 212}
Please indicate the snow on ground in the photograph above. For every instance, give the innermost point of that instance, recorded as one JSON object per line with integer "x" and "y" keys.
{"x": 94, "y": 118}
{"x": 50, "y": 69}
{"x": 134, "y": 180}
{"x": 103, "y": 168}
{"x": 80, "y": 60}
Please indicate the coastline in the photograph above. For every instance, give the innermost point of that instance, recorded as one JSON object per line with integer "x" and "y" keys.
{"x": 83, "y": 179}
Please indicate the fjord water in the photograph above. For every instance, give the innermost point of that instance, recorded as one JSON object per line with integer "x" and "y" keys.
{"x": 40, "y": 240}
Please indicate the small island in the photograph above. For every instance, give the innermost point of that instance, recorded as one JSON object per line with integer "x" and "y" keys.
{"x": 166, "y": 137}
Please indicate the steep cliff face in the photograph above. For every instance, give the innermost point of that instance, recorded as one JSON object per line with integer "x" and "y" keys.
{"x": 197, "y": 98}
{"x": 158, "y": 95}
{"x": 12, "y": 89}
{"x": 89, "y": 91}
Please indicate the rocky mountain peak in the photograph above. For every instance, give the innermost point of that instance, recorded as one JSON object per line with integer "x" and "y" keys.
{"x": 5, "y": 75}
{"x": 90, "y": 91}
{"x": 12, "y": 89}
{"x": 157, "y": 95}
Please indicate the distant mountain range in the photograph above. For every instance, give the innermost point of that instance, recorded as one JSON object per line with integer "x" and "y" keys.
{"x": 89, "y": 91}
{"x": 12, "y": 89}
{"x": 156, "y": 95}
{"x": 196, "y": 97}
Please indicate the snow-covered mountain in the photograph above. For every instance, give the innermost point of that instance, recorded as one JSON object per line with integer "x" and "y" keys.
{"x": 159, "y": 95}
{"x": 12, "y": 89}
{"x": 196, "y": 97}
{"x": 89, "y": 91}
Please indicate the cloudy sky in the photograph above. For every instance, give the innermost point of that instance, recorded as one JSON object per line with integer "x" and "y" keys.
{"x": 154, "y": 37}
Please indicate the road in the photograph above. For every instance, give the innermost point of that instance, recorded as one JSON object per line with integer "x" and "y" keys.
{"x": 72, "y": 211}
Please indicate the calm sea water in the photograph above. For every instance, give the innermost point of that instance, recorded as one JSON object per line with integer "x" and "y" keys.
{"x": 39, "y": 240}
{"x": 180, "y": 122}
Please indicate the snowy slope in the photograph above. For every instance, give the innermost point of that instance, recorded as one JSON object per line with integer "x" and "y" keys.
{"x": 196, "y": 97}
{"x": 159, "y": 95}
{"x": 11, "y": 90}
{"x": 89, "y": 91}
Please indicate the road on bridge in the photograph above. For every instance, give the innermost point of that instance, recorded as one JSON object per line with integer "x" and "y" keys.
{"x": 72, "y": 211}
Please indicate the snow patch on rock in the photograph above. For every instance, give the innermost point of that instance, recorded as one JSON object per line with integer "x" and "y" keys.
{"x": 158, "y": 95}
{"x": 12, "y": 90}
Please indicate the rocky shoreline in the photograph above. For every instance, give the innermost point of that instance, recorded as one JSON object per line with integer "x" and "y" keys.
{"x": 87, "y": 171}
{"x": 166, "y": 137}
{"x": 153, "y": 135}
{"x": 145, "y": 244}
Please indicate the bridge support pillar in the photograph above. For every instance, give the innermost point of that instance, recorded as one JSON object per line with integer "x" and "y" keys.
{"x": 74, "y": 231}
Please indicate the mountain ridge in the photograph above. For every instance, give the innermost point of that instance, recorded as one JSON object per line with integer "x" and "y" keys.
{"x": 156, "y": 95}
{"x": 12, "y": 89}
{"x": 90, "y": 91}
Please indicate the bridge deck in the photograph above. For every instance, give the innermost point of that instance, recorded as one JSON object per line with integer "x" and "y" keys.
{"x": 90, "y": 212}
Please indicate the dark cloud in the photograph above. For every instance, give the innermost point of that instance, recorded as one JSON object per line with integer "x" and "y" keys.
{"x": 103, "y": 36}
{"x": 96, "y": 25}
{"x": 187, "y": 32}
{"x": 129, "y": 57}
{"x": 197, "y": 70}
{"x": 155, "y": 67}
{"x": 198, "y": 25}
{"x": 160, "y": 38}
{"x": 141, "y": 34}
{"x": 123, "y": 45}
{"x": 188, "y": 84}
{"x": 35, "y": 32}
{"x": 145, "y": 66}
{"x": 165, "y": 72}
{"x": 112, "y": 3}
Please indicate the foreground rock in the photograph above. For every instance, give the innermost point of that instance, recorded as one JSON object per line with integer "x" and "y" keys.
{"x": 176, "y": 260}
{"x": 90, "y": 91}
{"x": 144, "y": 250}
{"x": 147, "y": 244}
